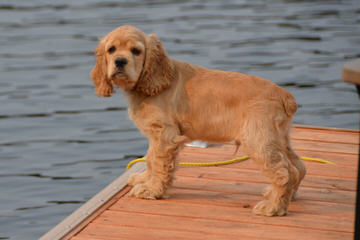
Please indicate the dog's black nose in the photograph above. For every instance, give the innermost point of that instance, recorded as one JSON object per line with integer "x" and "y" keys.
{"x": 121, "y": 62}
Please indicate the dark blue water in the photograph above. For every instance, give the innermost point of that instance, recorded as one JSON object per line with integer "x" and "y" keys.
{"x": 59, "y": 144}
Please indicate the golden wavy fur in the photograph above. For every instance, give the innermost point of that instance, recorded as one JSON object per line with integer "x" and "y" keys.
{"x": 174, "y": 102}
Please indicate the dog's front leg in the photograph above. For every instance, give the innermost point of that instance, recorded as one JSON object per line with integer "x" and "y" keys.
{"x": 138, "y": 178}
{"x": 162, "y": 160}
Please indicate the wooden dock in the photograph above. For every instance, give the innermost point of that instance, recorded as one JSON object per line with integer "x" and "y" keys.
{"x": 216, "y": 202}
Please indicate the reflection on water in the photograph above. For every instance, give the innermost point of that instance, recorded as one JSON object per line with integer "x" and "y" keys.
{"x": 60, "y": 144}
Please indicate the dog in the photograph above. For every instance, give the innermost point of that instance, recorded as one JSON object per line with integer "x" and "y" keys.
{"x": 173, "y": 102}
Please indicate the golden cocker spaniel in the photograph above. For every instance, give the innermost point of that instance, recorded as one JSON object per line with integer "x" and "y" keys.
{"x": 174, "y": 102}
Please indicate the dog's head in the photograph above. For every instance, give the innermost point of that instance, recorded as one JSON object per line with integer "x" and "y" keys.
{"x": 132, "y": 61}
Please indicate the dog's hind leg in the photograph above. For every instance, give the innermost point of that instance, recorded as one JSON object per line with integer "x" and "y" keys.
{"x": 263, "y": 142}
{"x": 299, "y": 165}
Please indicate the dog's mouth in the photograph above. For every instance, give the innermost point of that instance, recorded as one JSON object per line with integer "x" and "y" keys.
{"x": 119, "y": 74}
{"x": 122, "y": 80}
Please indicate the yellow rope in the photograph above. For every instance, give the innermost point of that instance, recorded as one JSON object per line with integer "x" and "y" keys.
{"x": 319, "y": 160}
{"x": 240, "y": 159}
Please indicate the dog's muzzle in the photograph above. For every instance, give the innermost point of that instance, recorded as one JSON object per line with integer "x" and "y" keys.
{"x": 120, "y": 63}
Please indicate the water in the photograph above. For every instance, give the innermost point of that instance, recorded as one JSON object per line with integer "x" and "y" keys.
{"x": 59, "y": 144}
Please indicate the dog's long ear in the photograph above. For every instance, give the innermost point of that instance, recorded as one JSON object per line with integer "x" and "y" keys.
{"x": 103, "y": 86}
{"x": 158, "y": 72}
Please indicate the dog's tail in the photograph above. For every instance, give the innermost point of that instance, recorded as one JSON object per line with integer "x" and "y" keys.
{"x": 289, "y": 103}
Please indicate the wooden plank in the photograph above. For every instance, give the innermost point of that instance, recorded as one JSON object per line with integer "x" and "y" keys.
{"x": 331, "y": 147}
{"x": 239, "y": 174}
{"x": 188, "y": 154}
{"x": 303, "y": 145}
{"x": 340, "y": 170}
{"x": 227, "y": 152}
{"x": 339, "y": 159}
{"x": 329, "y": 129}
{"x": 351, "y": 72}
{"x": 314, "y": 169}
{"x": 81, "y": 216}
{"x": 305, "y": 193}
{"x": 115, "y": 232}
{"x": 211, "y": 198}
{"x": 233, "y": 214}
{"x": 325, "y": 147}
{"x": 91, "y": 238}
{"x": 213, "y": 226}
{"x": 330, "y": 183}
{"x": 325, "y": 134}
{"x": 346, "y": 171}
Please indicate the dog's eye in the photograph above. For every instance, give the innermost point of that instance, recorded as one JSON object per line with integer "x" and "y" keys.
{"x": 111, "y": 50}
{"x": 135, "y": 51}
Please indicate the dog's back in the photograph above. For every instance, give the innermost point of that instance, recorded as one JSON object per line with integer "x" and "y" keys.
{"x": 218, "y": 102}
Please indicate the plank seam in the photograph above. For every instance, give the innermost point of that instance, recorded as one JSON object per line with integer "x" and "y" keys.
{"x": 227, "y": 220}
{"x": 219, "y": 191}
{"x": 165, "y": 229}
{"x": 237, "y": 207}
{"x": 264, "y": 182}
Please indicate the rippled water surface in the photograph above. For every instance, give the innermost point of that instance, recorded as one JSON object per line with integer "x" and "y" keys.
{"x": 59, "y": 144}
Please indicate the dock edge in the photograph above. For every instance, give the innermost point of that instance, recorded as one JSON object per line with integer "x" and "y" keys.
{"x": 80, "y": 217}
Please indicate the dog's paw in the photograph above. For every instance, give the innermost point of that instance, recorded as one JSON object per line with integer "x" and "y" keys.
{"x": 146, "y": 191}
{"x": 267, "y": 208}
{"x": 137, "y": 178}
